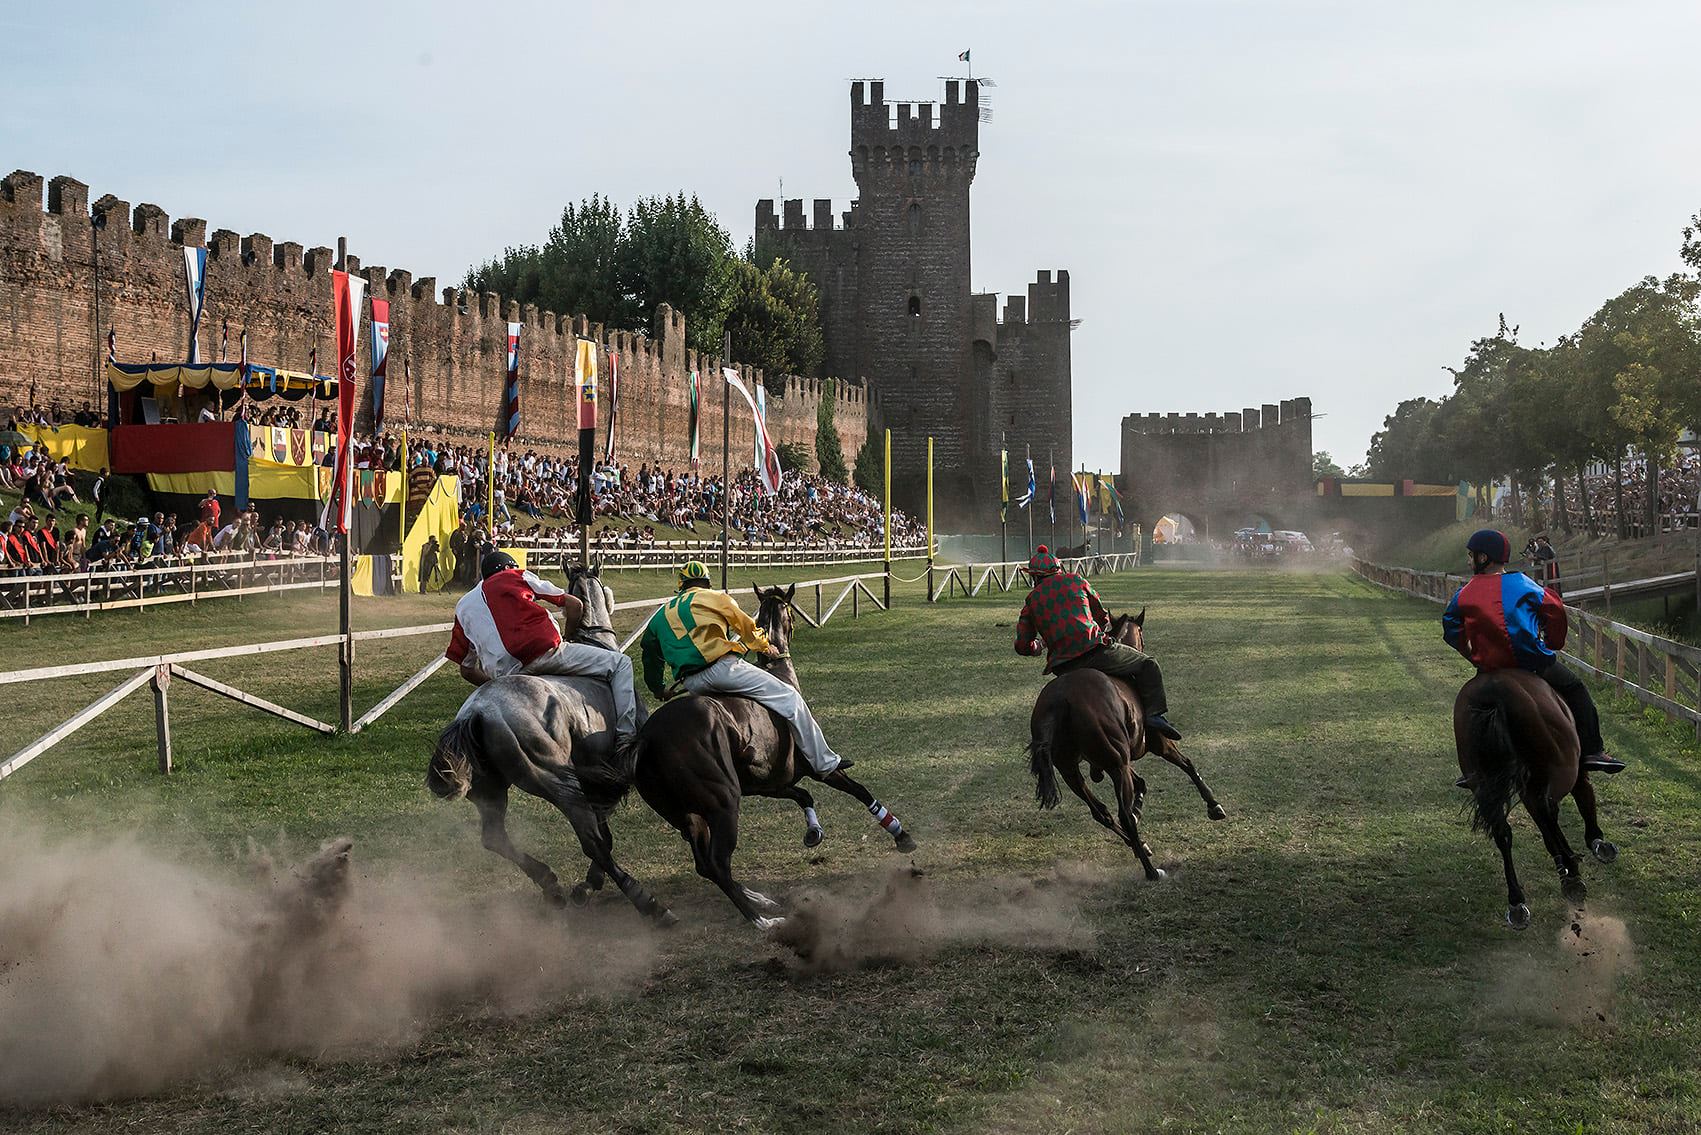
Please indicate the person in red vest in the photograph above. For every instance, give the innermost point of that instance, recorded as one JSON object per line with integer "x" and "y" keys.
{"x": 210, "y": 511}
{"x": 500, "y": 628}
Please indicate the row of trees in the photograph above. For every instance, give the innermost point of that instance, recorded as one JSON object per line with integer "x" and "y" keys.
{"x": 616, "y": 267}
{"x": 1627, "y": 381}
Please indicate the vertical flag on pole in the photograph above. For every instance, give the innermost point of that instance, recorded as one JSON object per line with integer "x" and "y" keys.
{"x": 112, "y": 346}
{"x": 195, "y": 283}
{"x": 346, "y": 293}
{"x": 1051, "y": 493}
{"x": 585, "y": 376}
{"x": 224, "y": 339}
{"x": 380, "y": 359}
{"x": 613, "y": 405}
{"x": 1003, "y": 484}
{"x": 512, "y": 415}
{"x": 696, "y": 438}
{"x": 244, "y": 370}
{"x": 1080, "y": 483}
{"x": 761, "y": 417}
{"x": 768, "y": 461}
{"x": 407, "y": 392}
{"x": 1027, "y": 497}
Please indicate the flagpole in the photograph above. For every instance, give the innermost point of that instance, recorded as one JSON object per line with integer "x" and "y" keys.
{"x": 1051, "y": 469}
{"x": 402, "y": 516}
{"x": 887, "y": 510}
{"x": 929, "y": 519}
{"x": 1003, "y": 499}
{"x": 490, "y": 492}
{"x": 1028, "y": 451}
{"x": 726, "y": 456}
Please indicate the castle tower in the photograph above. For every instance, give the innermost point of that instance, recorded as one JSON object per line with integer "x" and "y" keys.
{"x": 913, "y": 164}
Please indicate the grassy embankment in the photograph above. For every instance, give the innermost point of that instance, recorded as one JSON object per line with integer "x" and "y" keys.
{"x": 1329, "y": 959}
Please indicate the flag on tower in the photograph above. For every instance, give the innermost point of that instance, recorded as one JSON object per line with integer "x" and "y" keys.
{"x": 512, "y": 391}
{"x": 963, "y": 55}
{"x": 195, "y": 282}
{"x": 380, "y": 359}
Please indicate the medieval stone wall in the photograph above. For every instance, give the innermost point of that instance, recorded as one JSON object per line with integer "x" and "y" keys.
{"x": 1221, "y": 470}
{"x": 454, "y": 344}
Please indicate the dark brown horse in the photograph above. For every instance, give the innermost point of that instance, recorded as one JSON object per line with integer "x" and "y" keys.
{"x": 1517, "y": 740}
{"x": 1086, "y": 715}
{"x": 699, "y": 756}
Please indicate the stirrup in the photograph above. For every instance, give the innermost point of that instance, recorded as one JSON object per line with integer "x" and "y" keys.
{"x": 1465, "y": 783}
{"x": 1601, "y": 762}
{"x": 1160, "y": 724}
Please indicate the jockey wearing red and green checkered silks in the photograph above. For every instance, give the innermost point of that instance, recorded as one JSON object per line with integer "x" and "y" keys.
{"x": 1063, "y": 617}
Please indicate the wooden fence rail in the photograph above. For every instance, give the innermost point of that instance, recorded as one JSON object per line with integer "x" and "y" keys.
{"x": 1655, "y": 671}
{"x": 970, "y": 580}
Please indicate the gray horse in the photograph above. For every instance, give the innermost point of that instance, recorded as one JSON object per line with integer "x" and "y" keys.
{"x": 552, "y": 737}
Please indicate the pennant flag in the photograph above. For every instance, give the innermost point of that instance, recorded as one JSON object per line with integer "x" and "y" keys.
{"x": 1115, "y": 497}
{"x": 112, "y": 344}
{"x": 224, "y": 339}
{"x": 195, "y": 283}
{"x": 761, "y": 416}
{"x": 1003, "y": 485}
{"x": 346, "y": 293}
{"x": 613, "y": 405}
{"x": 585, "y": 374}
{"x": 513, "y": 389}
{"x": 1027, "y": 498}
{"x": 769, "y": 466}
{"x": 1080, "y": 484}
{"x": 244, "y": 368}
{"x": 380, "y": 359}
{"x": 1051, "y": 494}
{"x": 964, "y": 56}
{"x": 695, "y": 438}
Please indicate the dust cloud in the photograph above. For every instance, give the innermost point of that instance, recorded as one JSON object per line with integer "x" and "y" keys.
{"x": 910, "y": 918}
{"x": 1578, "y": 988}
{"x": 123, "y": 971}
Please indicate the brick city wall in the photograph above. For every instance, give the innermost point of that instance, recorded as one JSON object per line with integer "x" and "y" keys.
{"x": 454, "y": 343}
{"x": 1224, "y": 470}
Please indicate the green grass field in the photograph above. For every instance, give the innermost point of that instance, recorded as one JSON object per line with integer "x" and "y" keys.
{"x": 1331, "y": 958}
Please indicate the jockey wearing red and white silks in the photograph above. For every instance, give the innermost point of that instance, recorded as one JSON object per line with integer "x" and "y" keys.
{"x": 501, "y": 629}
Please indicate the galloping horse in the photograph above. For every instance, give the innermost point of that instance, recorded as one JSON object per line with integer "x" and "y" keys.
{"x": 552, "y": 737}
{"x": 699, "y": 756}
{"x": 1517, "y": 738}
{"x": 1086, "y": 715}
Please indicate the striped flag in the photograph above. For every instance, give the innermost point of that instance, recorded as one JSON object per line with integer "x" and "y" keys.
{"x": 1027, "y": 497}
{"x": 195, "y": 283}
{"x": 224, "y": 339}
{"x": 696, "y": 439}
{"x": 769, "y": 465}
{"x": 380, "y": 359}
{"x": 1003, "y": 485}
{"x": 346, "y": 292}
{"x": 762, "y": 417}
{"x": 1051, "y": 494}
{"x": 512, "y": 415}
{"x": 1080, "y": 483}
{"x": 613, "y": 405}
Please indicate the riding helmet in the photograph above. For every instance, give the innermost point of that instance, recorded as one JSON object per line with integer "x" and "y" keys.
{"x": 495, "y": 561}
{"x": 1042, "y": 562}
{"x": 693, "y": 574}
{"x": 1490, "y": 543}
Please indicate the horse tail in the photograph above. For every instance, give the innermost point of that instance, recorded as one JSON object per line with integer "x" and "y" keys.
{"x": 1041, "y": 744}
{"x": 449, "y": 775}
{"x": 606, "y": 782}
{"x": 1500, "y": 771}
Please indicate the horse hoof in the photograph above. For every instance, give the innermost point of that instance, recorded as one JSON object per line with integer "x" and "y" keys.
{"x": 580, "y": 894}
{"x": 1158, "y": 875}
{"x": 556, "y": 899}
{"x": 769, "y": 925}
{"x": 905, "y": 842}
{"x": 666, "y": 920}
{"x": 813, "y": 837}
{"x": 1217, "y": 812}
{"x": 1518, "y": 917}
{"x": 1573, "y": 889}
{"x": 1604, "y": 851}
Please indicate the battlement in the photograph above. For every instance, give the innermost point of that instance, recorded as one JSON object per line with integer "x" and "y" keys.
{"x": 1291, "y": 412}
{"x": 915, "y": 137}
{"x": 795, "y": 224}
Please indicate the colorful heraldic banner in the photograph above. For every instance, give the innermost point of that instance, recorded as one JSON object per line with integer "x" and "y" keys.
{"x": 696, "y": 434}
{"x": 512, "y": 390}
{"x": 346, "y": 293}
{"x": 380, "y": 359}
{"x": 613, "y": 406}
{"x": 1079, "y": 481}
{"x": 769, "y": 464}
{"x": 427, "y": 567}
{"x": 195, "y": 284}
{"x": 1003, "y": 485}
{"x": 585, "y": 374}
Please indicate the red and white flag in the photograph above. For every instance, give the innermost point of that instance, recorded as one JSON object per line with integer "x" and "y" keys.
{"x": 613, "y": 405}
{"x": 347, "y": 292}
{"x": 770, "y": 466}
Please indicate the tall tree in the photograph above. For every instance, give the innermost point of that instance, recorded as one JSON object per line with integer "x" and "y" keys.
{"x": 676, "y": 252}
{"x": 575, "y": 272}
{"x": 1323, "y": 465}
{"x": 829, "y": 453}
{"x": 774, "y": 316}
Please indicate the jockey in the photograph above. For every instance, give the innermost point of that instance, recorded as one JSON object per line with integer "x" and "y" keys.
{"x": 1064, "y": 617}
{"x": 1503, "y": 620}
{"x": 500, "y": 629}
{"x": 704, "y": 634}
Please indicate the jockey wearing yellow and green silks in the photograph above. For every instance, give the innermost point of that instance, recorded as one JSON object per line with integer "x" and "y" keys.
{"x": 703, "y": 634}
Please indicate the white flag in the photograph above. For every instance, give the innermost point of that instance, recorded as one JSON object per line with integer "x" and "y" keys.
{"x": 770, "y": 467}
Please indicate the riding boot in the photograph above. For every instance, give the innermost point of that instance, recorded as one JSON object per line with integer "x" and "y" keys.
{"x": 1149, "y": 685}
{"x": 1575, "y": 694}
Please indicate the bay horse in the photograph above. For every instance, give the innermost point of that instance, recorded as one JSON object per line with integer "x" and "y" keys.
{"x": 551, "y": 736}
{"x": 699, "y": 756}
{"x": 1516, "y": 738}
{"x": 1087, "y": 715}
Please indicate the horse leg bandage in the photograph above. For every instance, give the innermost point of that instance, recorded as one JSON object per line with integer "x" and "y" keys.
{"x": 811, "y": 820}
{"x": 885, "y": 819}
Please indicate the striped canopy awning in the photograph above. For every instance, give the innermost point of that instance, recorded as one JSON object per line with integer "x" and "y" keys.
{"x": 258, "y": 382}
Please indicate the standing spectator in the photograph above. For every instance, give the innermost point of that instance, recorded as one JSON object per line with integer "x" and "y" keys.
{"x": 98, "y": 493}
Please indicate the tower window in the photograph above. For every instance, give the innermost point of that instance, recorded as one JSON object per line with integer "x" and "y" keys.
{"x": 915, "y": 307}
{"x": 913, "y": 217}
{"x": 915, "y": 167}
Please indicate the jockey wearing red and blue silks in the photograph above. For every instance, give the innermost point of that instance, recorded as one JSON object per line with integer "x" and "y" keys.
{"x": 1505, "y": 620}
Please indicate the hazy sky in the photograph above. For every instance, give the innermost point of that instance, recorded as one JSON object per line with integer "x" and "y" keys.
{"x": 1255, "y": 200}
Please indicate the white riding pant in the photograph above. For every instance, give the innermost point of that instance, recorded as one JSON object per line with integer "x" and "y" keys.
{"x": 610, "y": 666}
{"x": 732, "y": 675}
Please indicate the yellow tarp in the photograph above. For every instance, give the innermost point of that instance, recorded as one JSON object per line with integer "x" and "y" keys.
{"x": 439, "y": 516}
{"x": 265, "y": 482}
{"x": 1367, "y": 490}
{"x": 83, "y": 447}
{"x": 1433, "y": 491}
